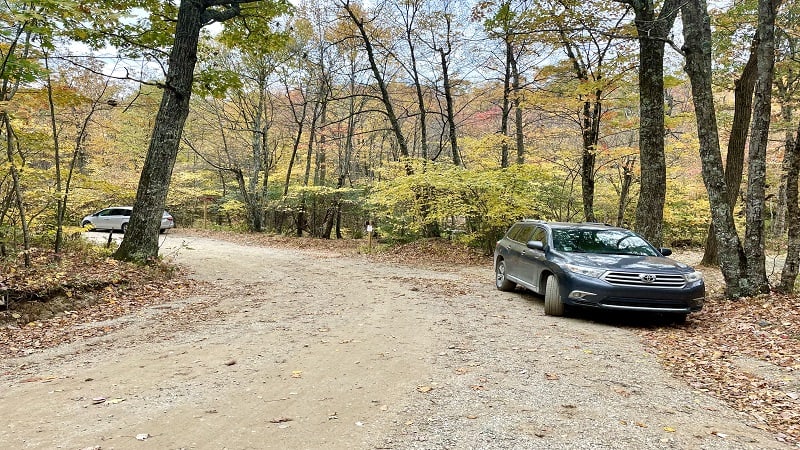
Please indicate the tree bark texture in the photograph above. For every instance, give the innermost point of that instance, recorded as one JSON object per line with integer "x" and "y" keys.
{"x": 591, "y": 131}
{"x": 697, "y": 49}
{"x": 652, "y": 33}
{"x": 141, "y": 236}
{"x": 734, "y": 162}
{"x": 790, "y": 268}
{"x": 754, "y": 243}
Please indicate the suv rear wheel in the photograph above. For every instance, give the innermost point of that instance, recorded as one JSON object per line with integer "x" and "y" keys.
{"x": 501, "y": 281}
{"x": 553, "y": 306}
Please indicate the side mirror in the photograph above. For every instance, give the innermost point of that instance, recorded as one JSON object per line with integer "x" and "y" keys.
{"x": 665, "y": 251}
{"x": 535, "y": 245}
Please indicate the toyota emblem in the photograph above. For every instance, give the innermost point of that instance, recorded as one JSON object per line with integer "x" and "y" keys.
{"x": 647, "y": 277}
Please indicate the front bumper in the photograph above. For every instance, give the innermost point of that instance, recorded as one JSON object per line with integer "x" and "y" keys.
{"x": 580, "y": 290}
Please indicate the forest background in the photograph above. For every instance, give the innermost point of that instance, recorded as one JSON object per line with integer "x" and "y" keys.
{"x": 425, "y": 118}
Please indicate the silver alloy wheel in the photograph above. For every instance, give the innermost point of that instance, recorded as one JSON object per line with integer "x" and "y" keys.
{"x": 501, "y": 281}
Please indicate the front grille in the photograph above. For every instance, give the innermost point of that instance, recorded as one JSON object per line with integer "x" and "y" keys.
{"x": 659, "y": 280}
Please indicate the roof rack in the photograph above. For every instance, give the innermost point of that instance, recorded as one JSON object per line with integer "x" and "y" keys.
{"x": 598, "y": 223}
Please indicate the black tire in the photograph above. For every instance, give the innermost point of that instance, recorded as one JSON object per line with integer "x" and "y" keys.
{"x": 500, "y": 280}
{"x": 88, "y": 224}
{"x": 553, "y": 305}
{"x": 124, "y": 227}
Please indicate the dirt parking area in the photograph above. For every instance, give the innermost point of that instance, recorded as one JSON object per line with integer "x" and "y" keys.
{"x": 309, "y": 349}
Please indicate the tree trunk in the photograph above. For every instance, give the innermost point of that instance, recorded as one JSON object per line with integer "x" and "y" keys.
{"x": 754, "y": 243}
{"x": 423, "y": 112}
{"x": 734, "y": 160}
{"x": 506, "y": 111}
{"x": 141, "y": 237}
{"x": 652, "y": 34}
{"x": 448, "y": 98}
{"x": 790, "y": 268}
{"x": 627, "y": 181}
{"x": 697, "y": 48}
{"x": 589, "y": 119}
{"x": 384, "y": 92}
{"x": 518, "y": 131}
{"x": 16, "y": 188}
{"x": 591, "y": 124}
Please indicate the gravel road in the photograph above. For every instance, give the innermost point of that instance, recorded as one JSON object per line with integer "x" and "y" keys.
{"x": 308, "y": 349}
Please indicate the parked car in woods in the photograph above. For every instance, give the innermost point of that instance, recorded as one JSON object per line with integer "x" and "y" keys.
{"x": 116, "y": 218}
{"x": 595, "y": 265}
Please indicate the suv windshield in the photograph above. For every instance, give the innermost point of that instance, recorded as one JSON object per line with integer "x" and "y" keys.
{"x": 610, "y": 242}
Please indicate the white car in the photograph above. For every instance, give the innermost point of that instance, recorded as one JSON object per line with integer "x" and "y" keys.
{"x": 116, "y": 218}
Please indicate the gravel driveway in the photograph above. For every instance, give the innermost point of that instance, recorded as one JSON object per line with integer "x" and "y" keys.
{"x": 307, "y": 349}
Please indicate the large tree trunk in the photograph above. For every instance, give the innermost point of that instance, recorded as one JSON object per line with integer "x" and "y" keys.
{"x": 697, "y": 48}
{"x": 652, "y": 33}
{"x": 734, "y": 162}
{"x": 591, "y": 136}
{"x": 790, "y": 268}
{"x": 141, "y": 237}
{"x": 754, "y": 244}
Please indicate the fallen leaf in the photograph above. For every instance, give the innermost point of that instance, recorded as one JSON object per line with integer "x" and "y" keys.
{"x": 551, "y": 376}
{"x": 424, "y": 388}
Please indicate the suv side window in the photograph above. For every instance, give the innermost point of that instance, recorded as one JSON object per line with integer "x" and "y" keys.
{"x": 512, "y": 231}
{"x": 524, "y": 234}
{"x": 539, "y": 235}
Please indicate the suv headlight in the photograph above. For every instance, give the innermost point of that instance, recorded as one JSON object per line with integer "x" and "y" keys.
{"x": 694, "y": 277}
{"x": 586, "y": 271}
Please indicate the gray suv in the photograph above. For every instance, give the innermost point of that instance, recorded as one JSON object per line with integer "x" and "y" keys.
{"x": 595, "y": 265}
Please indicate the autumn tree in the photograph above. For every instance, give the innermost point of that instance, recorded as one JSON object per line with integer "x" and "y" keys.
{"x": 141, "y": 240}
{"x": 365, "y": 27}
{"x": 594, "y": 61}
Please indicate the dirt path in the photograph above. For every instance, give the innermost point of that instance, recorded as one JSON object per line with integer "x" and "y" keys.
{"x": 291, "y": 349}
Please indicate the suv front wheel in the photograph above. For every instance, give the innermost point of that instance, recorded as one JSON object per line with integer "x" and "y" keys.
{"x": 553, "y": 305}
